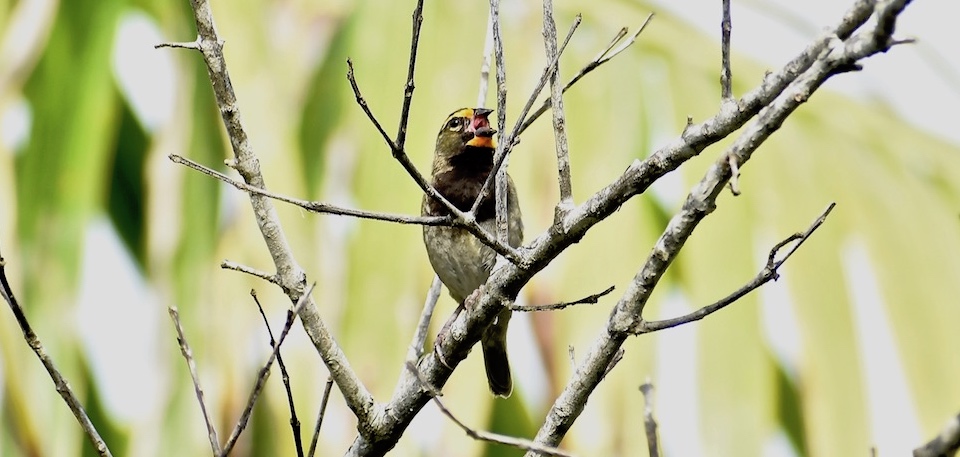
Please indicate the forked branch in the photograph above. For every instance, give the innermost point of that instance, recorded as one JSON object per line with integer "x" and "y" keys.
{"x": 770, "y": 272}
{"x": 290, "y": 276}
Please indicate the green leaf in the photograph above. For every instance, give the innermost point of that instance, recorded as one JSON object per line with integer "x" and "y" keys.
{"x": 127, "y": 195}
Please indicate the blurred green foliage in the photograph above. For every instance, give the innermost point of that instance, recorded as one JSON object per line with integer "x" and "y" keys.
{"x": 90, "y": 156}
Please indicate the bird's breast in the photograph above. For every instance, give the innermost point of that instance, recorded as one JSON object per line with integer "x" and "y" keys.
{"x": 461, "y": 261}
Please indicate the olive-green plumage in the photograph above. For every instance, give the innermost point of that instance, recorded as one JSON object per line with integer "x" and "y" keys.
{"x": 461, "y": 163}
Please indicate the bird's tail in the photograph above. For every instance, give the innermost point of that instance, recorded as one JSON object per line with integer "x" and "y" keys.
{"x": 494, "y": 344}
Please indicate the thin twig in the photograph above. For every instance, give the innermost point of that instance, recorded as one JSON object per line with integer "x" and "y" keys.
{"x": 229, "y": 265}
{"x": 508, "y": 140}
{"x": 482, "y": 435}
{"x": 323, "y": 408}
{"x": 502, "y": 154}
{"x": 409, "y": 86}
{"x": 62, "y": 386}
{"x": 946, "y": 443}
{"x": 194, "y": 45}
{"x": 415, "y": 350}
{"x": 726, "y": 77}
{"x": 589, "y": 299}
{"x": 352, "y": 79}
{"x": 396, "y": 150}
{"x": 264, "y": 372}
{"x": 294, "y": 422}
{"x": 312, "y": 206}
{"x": 559, "y": 119}
{"x": 768, "y": 273}
{"x": 779, "y": 95}
{"x": 192, "y": 367}
{"x": 649, "y": 422}
{"x": 485, "y": 65}
{"x": 467, "y": 221}
{"x": 611, "y": 51}
{"x": 776, "y": 97}
{"x": 290, "y": 274}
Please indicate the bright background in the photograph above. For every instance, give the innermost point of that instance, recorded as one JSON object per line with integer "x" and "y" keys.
{"x": 853, "y": 347}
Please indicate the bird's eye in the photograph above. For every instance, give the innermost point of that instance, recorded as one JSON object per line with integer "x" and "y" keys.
{"x": 455, "y": 123}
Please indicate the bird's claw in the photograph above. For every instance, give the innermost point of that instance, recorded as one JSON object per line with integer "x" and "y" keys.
{"x": 471, "y": 301}
{"x": 436, "y": 350}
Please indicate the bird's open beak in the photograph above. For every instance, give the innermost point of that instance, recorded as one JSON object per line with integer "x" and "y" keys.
{"x": 481, "y": 130}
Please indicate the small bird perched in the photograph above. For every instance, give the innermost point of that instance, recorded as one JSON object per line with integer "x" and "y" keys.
{"x": 461, "y": 163}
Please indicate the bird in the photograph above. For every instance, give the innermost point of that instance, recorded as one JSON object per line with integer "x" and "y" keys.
{"x": 462, "y": 161}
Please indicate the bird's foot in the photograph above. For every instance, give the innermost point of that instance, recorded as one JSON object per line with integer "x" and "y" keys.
{"x": 471, "y": 301}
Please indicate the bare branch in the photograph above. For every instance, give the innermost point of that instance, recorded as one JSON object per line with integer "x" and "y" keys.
{"x": 726, "y": 77}
{"x": 805, "y": 72}
{"x": 290, "y": 275}
{"x": 507, "y": 141}
{"x": 323, "y": 408}
{"x": 192, "y": 367}
{"x": 499, "y": 171}
{"x": 264, "y": 372}
{"x": 559, "y": 119}
{"x": 769, "y": 272}
{"x": 398, "y": 153}
{"x": 62, "y": 386}
{"x": 485, "y": 65}
{"x": 294, "y": 422}
{"x": 603, "y": 57}
{"x": 649, "y": 422}
{"x": 415, "y": 351}
{"x": 830, "y": 55}
{"x": 228, "y": 265}
{"x": 315, "y": 207}
{"x": 194, "y": 45}
{"x": 352, "y": 79}
{"x": 408, "y": 88}
{"x": 481, "y": 435}
{"x": 589, "y": 299}
{"x": 467, "y": 221}
{"x": 944, "y": 444}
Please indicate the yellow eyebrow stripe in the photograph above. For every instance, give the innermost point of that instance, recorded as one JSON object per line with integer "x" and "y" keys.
{"x": 463, "y": 112}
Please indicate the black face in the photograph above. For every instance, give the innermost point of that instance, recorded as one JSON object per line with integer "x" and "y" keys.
{"x": 465, "y": 129}
{"x": 458, "y": 126}
{"x": 464, "y": 159}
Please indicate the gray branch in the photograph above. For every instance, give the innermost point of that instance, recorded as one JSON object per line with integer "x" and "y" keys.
{"x": 62, "y": 386}
{"x": 380, "y": 425}
{"x": 836, "y": 55}
{"x": 945, "y": 444}
{"x": 290, "y": 276}
{"x": 559, "y": 119}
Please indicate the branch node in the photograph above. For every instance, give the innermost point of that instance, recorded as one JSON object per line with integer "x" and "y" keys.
{"x": 687, "y": 127}
{"x": 767, "y": 274}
